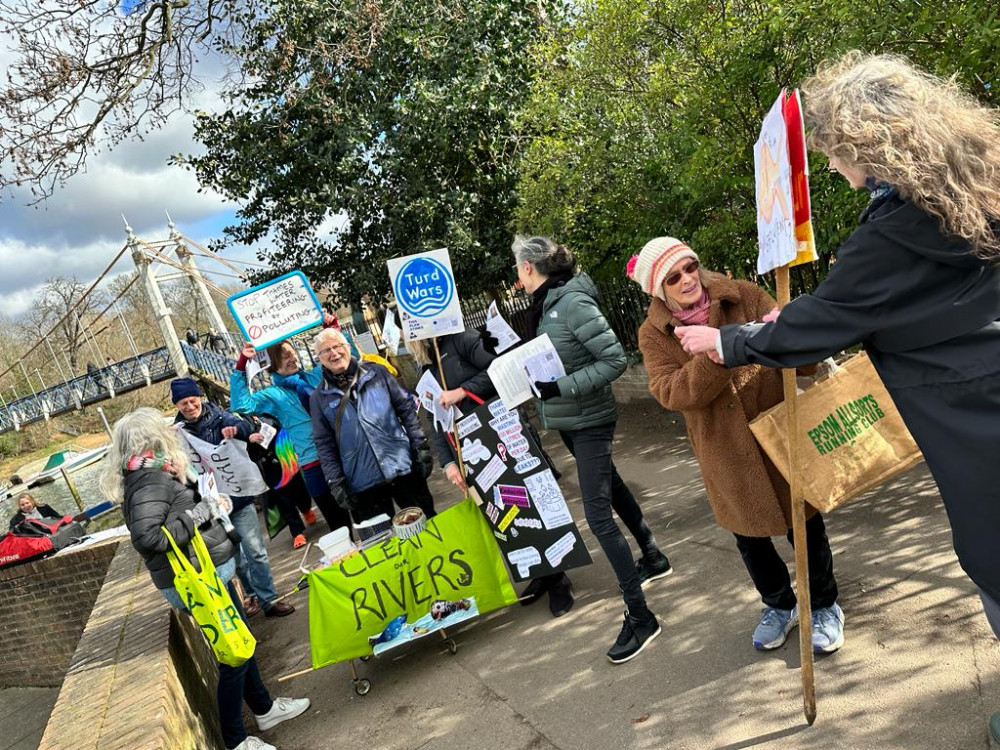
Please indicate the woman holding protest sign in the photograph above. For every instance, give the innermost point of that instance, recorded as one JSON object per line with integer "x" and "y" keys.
{"x": 917, "y": 282}
{"x": 748, "y": 495}
{"x": 290, "y": 407}
{"x": 465, "y": 359}
{"x": 147, "y": 470}
{"x": 582, "y": 407}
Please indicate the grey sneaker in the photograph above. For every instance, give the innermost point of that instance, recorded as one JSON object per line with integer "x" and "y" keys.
{"x": 773, "y": 628}
{"x": 254, "y": 743}
{"x": 827, "y": 629}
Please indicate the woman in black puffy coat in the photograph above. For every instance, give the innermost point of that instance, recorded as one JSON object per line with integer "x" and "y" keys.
{"x": 147, "y": 470}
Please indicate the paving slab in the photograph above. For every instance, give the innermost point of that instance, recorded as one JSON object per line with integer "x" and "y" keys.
{"x": 24, "y": 713}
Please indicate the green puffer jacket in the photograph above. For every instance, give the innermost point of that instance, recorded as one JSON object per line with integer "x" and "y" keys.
{"x": 590, "y": 352}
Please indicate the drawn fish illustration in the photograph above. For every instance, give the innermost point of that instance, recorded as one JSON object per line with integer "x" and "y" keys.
{"x": 390, "y": 632}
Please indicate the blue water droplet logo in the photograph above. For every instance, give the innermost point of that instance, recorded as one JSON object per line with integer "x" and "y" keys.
{"x": 424, "y": 287}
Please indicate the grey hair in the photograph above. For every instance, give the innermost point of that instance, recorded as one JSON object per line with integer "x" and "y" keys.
{"x": 544, "y": 255}
{"x": 141, "y": 430}
{"x": 325, "y": 335}
{"x": 419, "y": 349}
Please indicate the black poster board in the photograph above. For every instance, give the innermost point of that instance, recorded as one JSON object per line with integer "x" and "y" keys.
{"x": 521, "y": 500}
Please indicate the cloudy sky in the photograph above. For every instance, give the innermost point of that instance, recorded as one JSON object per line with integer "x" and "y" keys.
{"x": 79, "y": 229}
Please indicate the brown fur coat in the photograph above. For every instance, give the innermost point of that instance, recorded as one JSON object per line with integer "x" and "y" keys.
{"x": 747, "y": 493}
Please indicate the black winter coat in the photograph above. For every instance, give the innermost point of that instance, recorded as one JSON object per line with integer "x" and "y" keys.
{"x": 208, "y": 427}
{"x": 464, "y": 361}
{"x": 153, "y": 499}
{"x": 927, "y": 312}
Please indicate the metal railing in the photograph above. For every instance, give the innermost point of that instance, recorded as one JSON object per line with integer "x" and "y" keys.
{"x": 98, "y": 385}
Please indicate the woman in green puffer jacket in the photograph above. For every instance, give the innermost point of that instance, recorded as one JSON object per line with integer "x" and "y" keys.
{"x": 581, "y": 407}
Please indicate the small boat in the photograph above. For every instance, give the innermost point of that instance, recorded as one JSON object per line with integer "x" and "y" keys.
{"x": 70, "y": 460}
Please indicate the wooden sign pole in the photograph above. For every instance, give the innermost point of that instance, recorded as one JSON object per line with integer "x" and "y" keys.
{"x": 798, "y": 521}
{"x": 454, "y": 426}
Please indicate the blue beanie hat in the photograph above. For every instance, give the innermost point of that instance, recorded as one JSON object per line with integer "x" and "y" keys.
{"x": 183, "y": 388}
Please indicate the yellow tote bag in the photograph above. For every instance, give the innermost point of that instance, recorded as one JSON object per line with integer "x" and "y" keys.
{"x": 208, "y": 601}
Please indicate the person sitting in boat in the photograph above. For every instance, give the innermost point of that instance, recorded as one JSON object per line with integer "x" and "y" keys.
{"x": 29, "y": 508}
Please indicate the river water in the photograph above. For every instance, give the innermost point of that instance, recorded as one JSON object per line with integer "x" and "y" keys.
{"x": 58, "y": 495}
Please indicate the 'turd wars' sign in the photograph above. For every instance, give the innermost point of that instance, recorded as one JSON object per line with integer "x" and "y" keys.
{"x": 425, "y": 291}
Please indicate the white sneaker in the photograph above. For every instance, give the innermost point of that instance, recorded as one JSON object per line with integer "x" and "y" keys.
{"x": 254, "y": 743}
{"x": 282, "y": 709}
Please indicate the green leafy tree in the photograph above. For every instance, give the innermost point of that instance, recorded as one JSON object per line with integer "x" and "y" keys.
{"x": 393, "y": 117}
{"x": 644, "y": 114}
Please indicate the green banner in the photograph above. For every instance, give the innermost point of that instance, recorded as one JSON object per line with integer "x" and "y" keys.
{"x": 453, "y": 559}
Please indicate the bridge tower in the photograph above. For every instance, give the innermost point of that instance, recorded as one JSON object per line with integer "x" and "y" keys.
{"x": 160, "y": 309}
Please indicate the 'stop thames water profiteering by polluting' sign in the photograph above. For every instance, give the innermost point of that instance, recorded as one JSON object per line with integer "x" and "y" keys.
{"x": 425, "y": 291}
{"x": 277, "y": 309}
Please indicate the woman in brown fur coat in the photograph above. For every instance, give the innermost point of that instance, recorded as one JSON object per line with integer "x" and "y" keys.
{"x": 748, "y": 495}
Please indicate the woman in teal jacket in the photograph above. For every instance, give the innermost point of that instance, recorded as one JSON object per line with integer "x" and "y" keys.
{"x": 282, "y": 401}
{"x": 581, "y": 406}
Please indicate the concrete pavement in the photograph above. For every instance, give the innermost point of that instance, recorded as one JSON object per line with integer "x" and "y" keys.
{"x": 919, "y": 668}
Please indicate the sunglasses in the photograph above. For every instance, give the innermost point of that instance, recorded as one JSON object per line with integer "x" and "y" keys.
{"x": 689, "y": 269}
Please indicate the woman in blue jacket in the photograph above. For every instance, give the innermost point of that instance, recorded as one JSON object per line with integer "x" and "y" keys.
{"x": 370, "y": 443}
{"x": 282, "y": 400}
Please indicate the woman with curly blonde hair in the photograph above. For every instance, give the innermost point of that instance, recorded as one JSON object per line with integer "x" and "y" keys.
{"x": 916, "y": 282}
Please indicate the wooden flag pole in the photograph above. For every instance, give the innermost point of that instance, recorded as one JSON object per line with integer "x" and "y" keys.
{"x": 798, "y": 521}
{"x": 454, "y": 426}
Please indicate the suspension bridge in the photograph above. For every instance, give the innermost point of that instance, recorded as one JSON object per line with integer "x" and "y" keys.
{"x": 175, "y": 357}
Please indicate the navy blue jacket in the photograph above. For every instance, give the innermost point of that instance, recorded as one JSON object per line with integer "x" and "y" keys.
{"x": 379, "y": 430}
{"x": 208, "y": 427}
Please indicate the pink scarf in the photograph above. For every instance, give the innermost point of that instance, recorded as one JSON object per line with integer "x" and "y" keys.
{"x": 697, "y": 314}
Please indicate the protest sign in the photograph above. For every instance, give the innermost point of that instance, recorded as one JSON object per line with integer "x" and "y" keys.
{"x": 453, "y": 560}
{"x": 775, "y": 221}
{"x": 426, "y": 296}
{"x": 799, "y": 162}
{"x": 273, "y": 311}
{"x": 260, "y": 362}
{"x": 235, "y": 474}
{"x": 508, "y": 370}
{"x": 525, "y": 507}
{"x": 366, "y": 343}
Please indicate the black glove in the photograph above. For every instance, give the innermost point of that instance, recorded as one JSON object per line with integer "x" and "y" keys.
{"x": 490, "y": 342}
{"x": 547, "y": 390}
{"x": 201, "y": 515}
{"x": 425, "y": 459}
{"x": 341, "y": 496}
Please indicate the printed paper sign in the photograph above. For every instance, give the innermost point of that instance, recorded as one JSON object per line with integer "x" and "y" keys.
{"x": 560, "y": 549}
{"x": 429, "y": 390}
{"x": 549, "y": 502}
{"x": 426, "y": 296}
{"x": 511, "y": 495}
{"x": 524, "y": 558}
{"x": 261, "y": 360}
{"x": 507, "y": 371}
{"x": 366, "y": 343}
{"x": 775, "y": 221}
{"x": 497, "y": 326}
{"x": 490, "y": 474}
{"x": 468, "y": 425}
{"x": 235, "y": 474}
{"x": 268, "y": 432}
{"x": 273, "y": 311}
{"x": 390, "y": 332}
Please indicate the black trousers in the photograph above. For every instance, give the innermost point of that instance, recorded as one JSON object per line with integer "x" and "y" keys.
{"x": 236, "y": 686}
{"x": 770, "y": 574}
{"x": 603, "y": 492}
{"x": 406, "y": 491}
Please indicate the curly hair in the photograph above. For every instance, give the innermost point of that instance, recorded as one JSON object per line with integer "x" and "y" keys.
{"x": 922, "y": 134}
{"x": 144, "y": 429}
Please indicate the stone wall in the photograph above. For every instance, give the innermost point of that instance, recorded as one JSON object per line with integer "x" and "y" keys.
{"x": 44, "y": 606}
{"x": 142, "y": 677}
